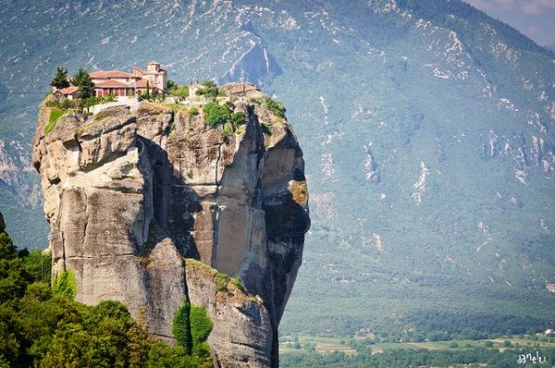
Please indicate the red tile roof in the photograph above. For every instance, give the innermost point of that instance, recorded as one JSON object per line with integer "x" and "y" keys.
{"x": 101, "y": 74}
{"x": 68, "y": 91}
{"x": 112, "y": 84}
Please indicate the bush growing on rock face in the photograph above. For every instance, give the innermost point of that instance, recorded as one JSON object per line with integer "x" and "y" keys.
{"x": 221, "y": 282}
{"x": 238, "y": 284}
{"x": 181, "y": 327}
{"x": 238, "y": 118}
{"x": 216, "y": 114}
{"x": 201, "y": 326}
{"x": 65, "y": 284}
{"x": 191, "y": 326}
{"x": 276, "y": 107}
{"x": 226, "y": 133}
{"x": 266, "y": 129}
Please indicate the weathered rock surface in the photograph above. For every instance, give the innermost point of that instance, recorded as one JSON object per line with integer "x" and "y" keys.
{"x": 241, "y": 322}
{"x": 130, "y": 195}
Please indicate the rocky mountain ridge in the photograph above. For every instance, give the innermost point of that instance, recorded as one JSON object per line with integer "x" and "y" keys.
{"x": 131, "y": 194}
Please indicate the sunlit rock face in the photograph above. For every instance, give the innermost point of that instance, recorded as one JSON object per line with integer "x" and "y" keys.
{"x": 133, "y": 191}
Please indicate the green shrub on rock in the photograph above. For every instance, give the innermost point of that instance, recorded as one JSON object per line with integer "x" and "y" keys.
{"x": 181, "y": 327}
{"x": 191, "y": 326}
{"x": 65, "y": 284}
{"x": 216, "y": 114}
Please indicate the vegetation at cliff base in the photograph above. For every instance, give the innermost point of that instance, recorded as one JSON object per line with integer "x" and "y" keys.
{"x": 65, "y": 284}
{"x": 181, "y": 327}
{"x": 44, "y": 327}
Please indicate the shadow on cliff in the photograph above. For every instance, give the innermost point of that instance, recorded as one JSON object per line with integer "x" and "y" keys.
{"x": 287, "y": 221}
{"x": 174, "y": 202}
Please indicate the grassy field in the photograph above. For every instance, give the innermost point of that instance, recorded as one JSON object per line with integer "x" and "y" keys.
{"x": 291, "y": 344}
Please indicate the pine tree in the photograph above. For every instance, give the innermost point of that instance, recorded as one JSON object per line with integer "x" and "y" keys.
{"x": 83, "y": 81}
{"x": 60, "y": 79}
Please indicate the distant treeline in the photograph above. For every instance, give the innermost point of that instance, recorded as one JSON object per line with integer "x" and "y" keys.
{"x": 422, "y": 358}
{"x": 439, "y": 325}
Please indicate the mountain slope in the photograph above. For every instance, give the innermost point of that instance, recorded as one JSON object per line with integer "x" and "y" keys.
{"x": 427, "y": 129}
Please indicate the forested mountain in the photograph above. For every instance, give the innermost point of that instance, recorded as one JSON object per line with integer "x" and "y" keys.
{"x": 427, "y": 131}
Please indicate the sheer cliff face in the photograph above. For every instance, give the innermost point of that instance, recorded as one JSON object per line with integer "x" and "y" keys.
{"x": 132, "y": 193}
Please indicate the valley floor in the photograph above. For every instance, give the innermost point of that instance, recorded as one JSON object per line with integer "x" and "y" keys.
{"x": 503, "y": 351}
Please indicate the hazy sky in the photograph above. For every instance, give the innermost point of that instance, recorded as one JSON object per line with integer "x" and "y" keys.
{"x": 534, "y": 18}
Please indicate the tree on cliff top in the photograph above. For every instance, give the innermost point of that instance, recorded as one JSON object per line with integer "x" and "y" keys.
{"x": 82, "y": 80}
{"x": 60, "y": 79}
